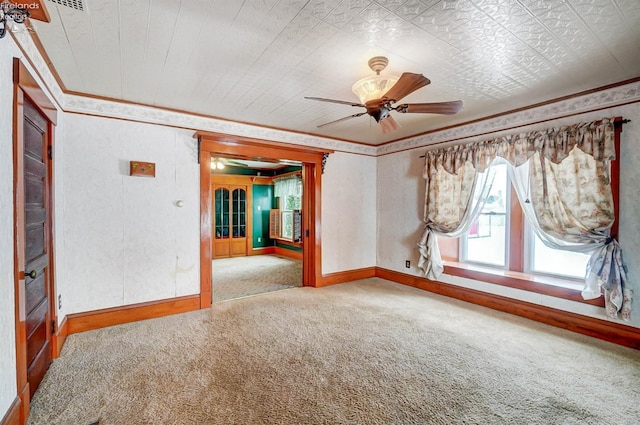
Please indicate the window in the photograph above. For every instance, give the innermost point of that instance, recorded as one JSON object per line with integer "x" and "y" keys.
{"x": 288, "y": 190}
{"x": 523, "y": 261}
{"x": 551, "y": 261}
{"x": 493, "y": 238}
{"x": 487, "y": 239}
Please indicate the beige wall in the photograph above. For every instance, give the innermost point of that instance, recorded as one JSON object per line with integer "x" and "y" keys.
{"x": 400, "y": 189}
{"x": 348, "y": 213}
{"x": 125, "y": 240}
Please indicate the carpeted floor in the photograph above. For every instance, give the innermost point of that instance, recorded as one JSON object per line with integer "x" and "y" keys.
{"x": 365, "y": 352}
{"x": 256, "y": 274}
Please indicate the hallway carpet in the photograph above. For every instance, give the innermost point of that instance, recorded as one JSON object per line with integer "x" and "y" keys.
{"x": 366, "y": 352}
{"x": 256, "y": 274}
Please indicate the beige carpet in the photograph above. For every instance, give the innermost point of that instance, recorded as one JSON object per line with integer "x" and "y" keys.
{"x": 366, "y": 352}
{"x": 256, "y": 274}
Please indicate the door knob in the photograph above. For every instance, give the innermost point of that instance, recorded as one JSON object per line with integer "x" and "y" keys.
{"x": 32, "y": 274}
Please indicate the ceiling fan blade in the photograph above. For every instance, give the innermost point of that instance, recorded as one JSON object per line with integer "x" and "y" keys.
{"x": 236, "y": 163}
{"x": 342, "y": 119}
{"x": 389, "y": 124}
{"x": 447, "y": 108}
{"x": 342, "y": 102}
{"x": 407, "y": 84}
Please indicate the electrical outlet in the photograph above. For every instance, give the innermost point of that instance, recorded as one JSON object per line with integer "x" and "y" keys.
{"x": 59, "y": 301}
{"x": 259, "y": 239}
{"x": 407, "y": 264}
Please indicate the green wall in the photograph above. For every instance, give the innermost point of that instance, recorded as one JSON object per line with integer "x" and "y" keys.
{"x": 287, "y": 246}
{"x": 263, "y": 201}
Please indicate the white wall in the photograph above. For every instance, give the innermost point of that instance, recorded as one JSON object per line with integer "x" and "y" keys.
{"x": 348, "y": 213}
{"x": 400, "y": 188}
{"x": 125, "y": 240}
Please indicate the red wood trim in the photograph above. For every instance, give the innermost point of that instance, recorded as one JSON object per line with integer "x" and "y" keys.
{"x": 617, "y": 333}
{"x": 289, "y": 253}
{"x": 19, "y": 242}
{"x": 23, "y": 78}
{"x": 615, "y": 178}
{"x": 247, "y": 148}
{"x": 516, "y": 234}
{"x": 206, "y": 236}
{"x": 519, "y": 281}
{"x": 347, "y": 276}
{"x": 262, "y": 250}
{"x": 96, "y": 319}
{"x": 49, "y": 237}
{"x": 232, "y": 179}
{"x": 12, "y": 417}
{"x": 59, "y": 338}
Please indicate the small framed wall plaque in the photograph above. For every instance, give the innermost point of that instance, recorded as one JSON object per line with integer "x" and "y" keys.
{"x": 142, "y": 169}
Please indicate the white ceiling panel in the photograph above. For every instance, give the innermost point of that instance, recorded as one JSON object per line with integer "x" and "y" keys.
{"x": 255, "y": 60}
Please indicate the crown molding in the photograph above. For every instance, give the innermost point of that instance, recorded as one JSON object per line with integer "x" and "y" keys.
{"x": 590, "y": 101}
{"x": 595, "y": 100}
{"x": 128, "y": 111}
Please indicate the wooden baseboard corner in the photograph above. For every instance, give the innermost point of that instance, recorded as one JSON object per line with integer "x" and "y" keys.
{"x": 347, "y": 276}
{"x": 12, "y": 417}
{"x": 59, "y": 338}
{"x": 617, "y": 333}
{"x": 96, "y": 319}
{"x": 289, "y": 253}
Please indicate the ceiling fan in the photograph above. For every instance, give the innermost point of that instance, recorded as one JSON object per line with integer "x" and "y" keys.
{"x": 220, "y": 163}
{"x": 378, "y": 94}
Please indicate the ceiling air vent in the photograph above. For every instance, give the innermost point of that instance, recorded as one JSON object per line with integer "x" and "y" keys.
{"x": 73, "y": 4}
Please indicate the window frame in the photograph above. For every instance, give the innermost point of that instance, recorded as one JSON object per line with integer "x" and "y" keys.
{"x": 514, "y": 275}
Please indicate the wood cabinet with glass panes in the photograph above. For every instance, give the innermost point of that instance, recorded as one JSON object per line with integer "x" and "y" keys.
{"x": 229, "y": 221}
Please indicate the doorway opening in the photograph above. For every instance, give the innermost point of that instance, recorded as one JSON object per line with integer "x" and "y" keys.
{"x": 311, "y": 160}
{"x": 257, "y": 226}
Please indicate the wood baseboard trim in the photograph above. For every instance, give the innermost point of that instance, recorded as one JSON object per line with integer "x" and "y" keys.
{"x": 96, "y": 319}
{"x": 12, "y": 417}
{"x": 617, "y": 333}
{"x": 262, "y": 250}
{"x": 347, "y": 276}
{"x": 59, "y": 338}
{"x": 289, "y": 253}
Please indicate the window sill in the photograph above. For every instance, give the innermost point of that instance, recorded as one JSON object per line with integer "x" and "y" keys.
{"x": 288, "y": 242}
{"x": 555, "y": 287}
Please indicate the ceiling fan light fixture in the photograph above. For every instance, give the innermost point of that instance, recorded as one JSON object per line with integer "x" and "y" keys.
{"x": 217, "y": 164}
{"x": 374, "y": 87}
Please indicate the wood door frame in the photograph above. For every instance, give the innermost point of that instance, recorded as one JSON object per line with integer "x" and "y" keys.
{"x": 212, "y": 144}
{"x": 25, "y": 86}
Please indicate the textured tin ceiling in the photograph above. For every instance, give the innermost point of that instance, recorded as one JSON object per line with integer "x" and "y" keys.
{"x": 254, "y": 61}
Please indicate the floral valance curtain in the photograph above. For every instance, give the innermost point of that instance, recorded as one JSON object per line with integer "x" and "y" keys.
{"x": 561, "y": 178}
